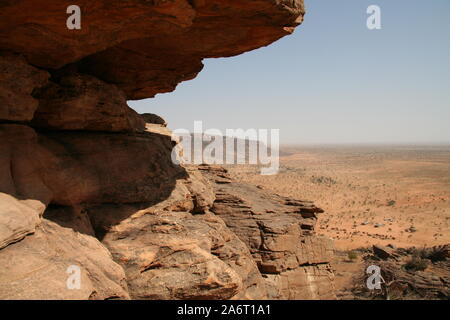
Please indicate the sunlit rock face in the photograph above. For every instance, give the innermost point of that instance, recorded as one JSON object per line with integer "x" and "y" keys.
{"x": 88, "y": 184}
{"x": 279, "y": 232}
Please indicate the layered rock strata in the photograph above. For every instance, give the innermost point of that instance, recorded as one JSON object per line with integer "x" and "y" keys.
{"x": 279, "y": 232}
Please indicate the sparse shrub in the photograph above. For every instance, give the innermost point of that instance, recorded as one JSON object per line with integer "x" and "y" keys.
{"x": 323, "y": 180}
{"x": 434, "y": 254}
{"x": 423, "y": 253}
{"x": 391, "y": 203}
{"x": 416, "y": 263}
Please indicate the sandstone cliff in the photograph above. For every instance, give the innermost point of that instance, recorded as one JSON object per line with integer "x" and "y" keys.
{"x": 85, "y": 181}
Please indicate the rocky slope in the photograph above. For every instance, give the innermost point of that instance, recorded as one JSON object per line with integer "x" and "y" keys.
{"x": 406, "y": 273}
{"x": 279, "y": 232}
{"x": 85, "y": 181}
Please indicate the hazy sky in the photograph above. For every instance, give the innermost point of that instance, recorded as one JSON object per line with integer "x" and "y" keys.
{"x": 333, "y": 80}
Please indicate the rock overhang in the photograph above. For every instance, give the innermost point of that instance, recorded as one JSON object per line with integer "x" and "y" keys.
{"x": 143, "y": 47}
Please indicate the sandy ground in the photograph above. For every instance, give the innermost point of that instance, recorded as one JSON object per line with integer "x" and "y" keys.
{"x": 371, "y": 194}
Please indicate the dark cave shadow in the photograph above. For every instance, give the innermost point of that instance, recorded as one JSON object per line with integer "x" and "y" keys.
{"x": 97, "y": 217}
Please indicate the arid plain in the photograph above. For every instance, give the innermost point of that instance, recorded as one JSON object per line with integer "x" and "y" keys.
{"x": 397, "y": 195}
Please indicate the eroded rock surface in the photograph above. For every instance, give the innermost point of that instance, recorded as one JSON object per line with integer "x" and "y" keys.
{"x": 18, "y": 218}
{"x": 279, "y": 233}
{"x": 177, "y": 255}
{"x": 18, "y": 79}
{"x": 37, "y": 267}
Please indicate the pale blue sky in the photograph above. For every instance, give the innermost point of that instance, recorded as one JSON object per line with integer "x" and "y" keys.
{"x": 333, "y": 80}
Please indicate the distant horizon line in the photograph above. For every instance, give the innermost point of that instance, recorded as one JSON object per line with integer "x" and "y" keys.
{"x": 357, "y": 144}
{"x": 334, "y": 144}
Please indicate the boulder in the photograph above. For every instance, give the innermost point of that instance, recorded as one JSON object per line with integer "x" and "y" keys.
{"x": 17, "y": 218}
{"x": 38, "y": 267}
